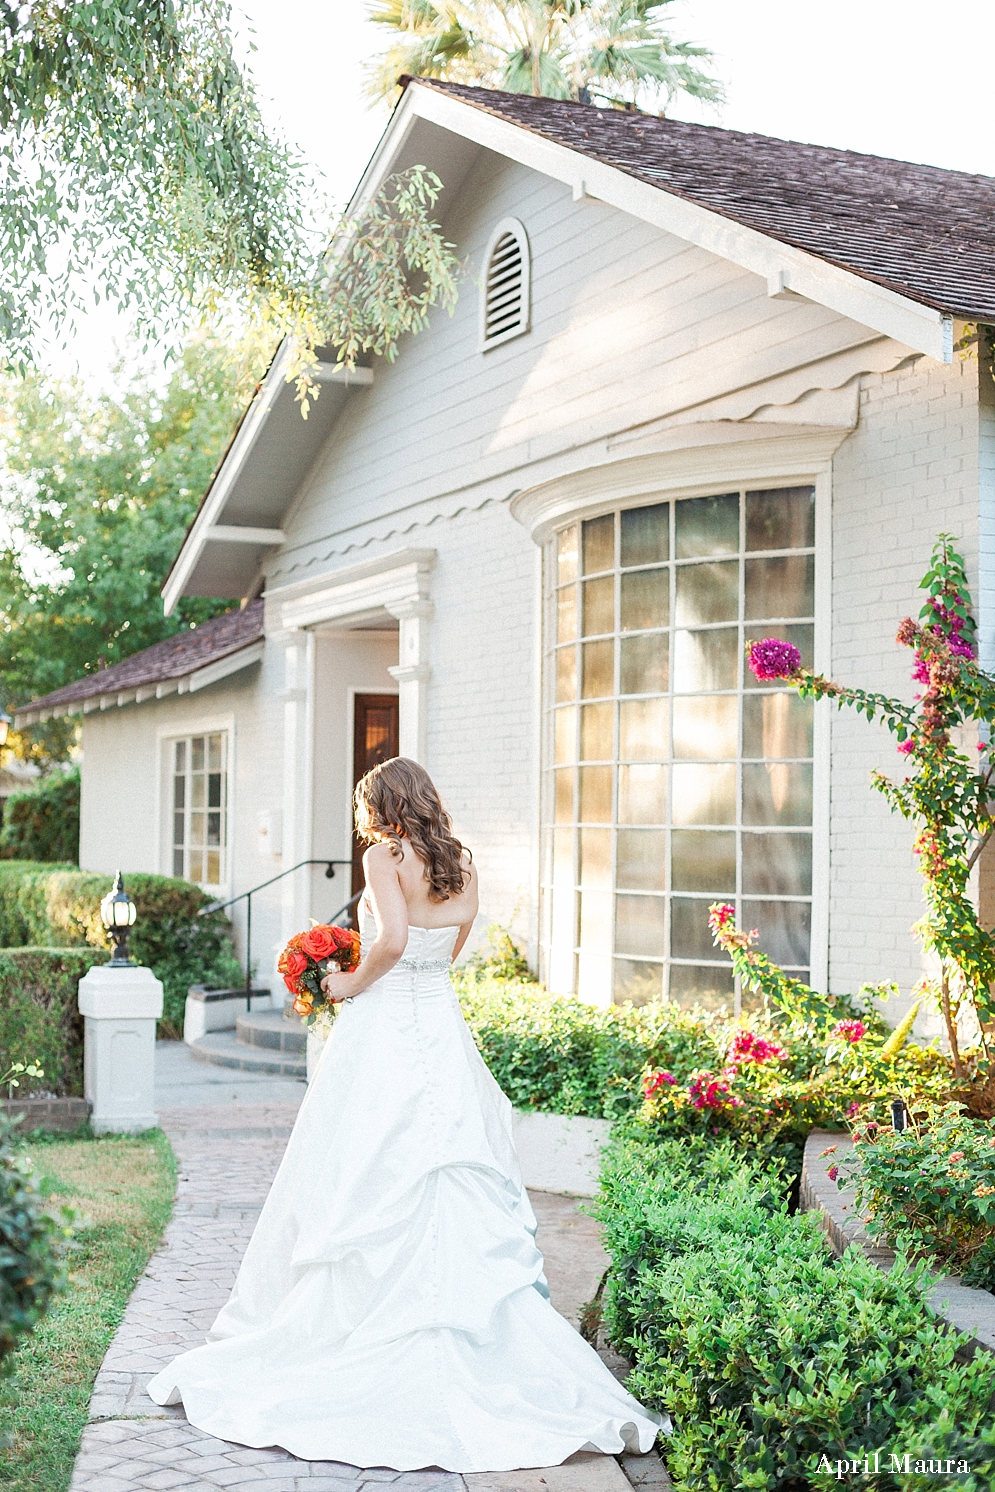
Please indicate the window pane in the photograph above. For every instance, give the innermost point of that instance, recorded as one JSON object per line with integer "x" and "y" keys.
{"x": 596, "y": 859}
{"x": 707, "y": 593}
{"x": 645, "y": 535}
{"x": 213, "y": 875}
{"x": 595, "y": 795}
{"x": 780, "y": 587}
{"x": 712, "y": 989}
{"x": 645, "y": 600}
{"x": 642, "y": 860}
{"x": 689, "y": 933}
{"x": 642, "y": 729}
{"x": 637, "y": 982}
{"x": 596, "y": 921}
{"x": 566, "y": 674}
{"x": 599, "y": 606}
{"x": 599, "y": 668}
{"x": 197, "y": 829}
{"x": 706, "y": 726}
{"x": 178, "y": 828}
{"x": 565, "y": 735}
{"x": 707, "y": 525}
{"x": 777, "y": 793}
{"x": 644, "y": 663}
{"x": 197, "y": 791}
{"x": 785, "y": 929}
{"x": 566, "y": 555}
{"x": 703, "y": 861}
{"x": 197, "y": 754}
{"x": 777, "y": 864}
{"x": 181, "y": 756}
{"x": 777, "y": 725}
{"x": 706, "y": 660}
{"x": 802, "y": 637}
{"x": 563, "y": 859}
{"x": 564, "y": 795}
{"x": 197, "y": 866}
{"x": 640, "y": 925}
{"x": 599, "y": 544}
{"x": 178, "y": 863}
{"x": 597, "y": 732}
{"x": 704, "y": 795}
{"x": 214, "y": 790}
{"x": 642, "y": 794}
{"x": 214, "y": 828}
{"x": 566, "y": 614}
{"x": 214, "y": 753}
{"x": 783, "y": 518}
{"x": 179, "y": 792}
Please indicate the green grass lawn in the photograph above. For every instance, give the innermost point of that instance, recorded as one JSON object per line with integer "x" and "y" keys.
{"x": 122, "y": 1191}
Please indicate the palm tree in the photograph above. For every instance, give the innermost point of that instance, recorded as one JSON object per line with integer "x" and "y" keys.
{"x": 595, "y": 51}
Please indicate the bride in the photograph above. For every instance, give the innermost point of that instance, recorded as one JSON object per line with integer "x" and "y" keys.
{"x": 391, "y": 1309}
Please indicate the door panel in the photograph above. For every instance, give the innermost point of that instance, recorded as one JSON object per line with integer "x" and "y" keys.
{"x": 374, "y": 741}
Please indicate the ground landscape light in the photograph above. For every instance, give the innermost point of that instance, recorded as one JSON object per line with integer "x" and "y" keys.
{"x": 118, "y": 913}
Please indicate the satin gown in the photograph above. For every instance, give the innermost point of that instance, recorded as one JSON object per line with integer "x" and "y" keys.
{"x": 391, "y": 1308}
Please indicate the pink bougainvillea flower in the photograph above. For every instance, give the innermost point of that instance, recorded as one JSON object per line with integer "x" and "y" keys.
{"x": 772, "y": 659}
{"x": 853, "y": 1108}
{"x": 747, "y": 1047}
{"x": 906, "y": 747}
{"x": 655, "y": 1080}
{"x": 852, "y": 1031}
{"x": 960, "y": 647}
{"x": 981, "y": 746}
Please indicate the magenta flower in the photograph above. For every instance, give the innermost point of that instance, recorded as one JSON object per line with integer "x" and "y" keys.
{"x": 747, "y": 1047}
{"x": 833, "y": 1172}
{"x": 852, "y": 1031}
{"x": 959, "y": 647}
{"x": 906, "y": 747}
{"x": 773, "y": 659}
{"x": 655, "y": 1080}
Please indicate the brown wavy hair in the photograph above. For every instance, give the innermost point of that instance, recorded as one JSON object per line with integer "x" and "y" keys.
{"x": 397, "y": 801}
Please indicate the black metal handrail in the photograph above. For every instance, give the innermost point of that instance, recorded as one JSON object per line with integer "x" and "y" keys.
{"x": 246, "y": 896}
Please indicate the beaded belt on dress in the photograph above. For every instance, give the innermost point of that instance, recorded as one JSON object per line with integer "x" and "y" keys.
{"x": 424, "y": 965}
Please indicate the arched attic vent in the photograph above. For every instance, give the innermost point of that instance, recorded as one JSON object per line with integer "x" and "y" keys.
{"x": 504, "y": 308}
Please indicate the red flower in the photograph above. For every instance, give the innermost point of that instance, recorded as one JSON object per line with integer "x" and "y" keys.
{"x": 852, "y": 1031}
{"x": 320, "y": 942}
{"x": 655, "y": 1080}
{"x": 747, "y": 1047}
{"x": 833, "y": 1172}
{"x": 292, "y": 962}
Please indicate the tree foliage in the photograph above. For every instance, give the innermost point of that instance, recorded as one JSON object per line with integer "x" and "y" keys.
{"x": 96, "y": 494}
{"x": 617, "y": 52}
{"x": 42, "y": 823}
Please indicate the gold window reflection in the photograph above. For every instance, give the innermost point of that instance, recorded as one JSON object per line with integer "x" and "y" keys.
{"x": 674, "y": 776}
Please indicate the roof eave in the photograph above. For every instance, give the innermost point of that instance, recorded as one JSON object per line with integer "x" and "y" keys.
{"x": 786, "y": 269}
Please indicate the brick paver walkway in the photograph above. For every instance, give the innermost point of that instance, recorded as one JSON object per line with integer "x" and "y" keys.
{"x": 228, "y": 1155}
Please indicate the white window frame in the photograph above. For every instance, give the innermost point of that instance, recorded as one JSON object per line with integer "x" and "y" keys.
{"x": 514, "y": 226}
{"x": 166, "y": 736}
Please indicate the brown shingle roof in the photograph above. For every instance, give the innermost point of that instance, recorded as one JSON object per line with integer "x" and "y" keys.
{"x": 172, "y": 659}
{"x": 927, "y": 233}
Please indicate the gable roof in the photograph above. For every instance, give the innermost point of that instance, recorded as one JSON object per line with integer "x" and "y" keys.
{"x": 186, "y": 662}
{"x": 922, "y": 231}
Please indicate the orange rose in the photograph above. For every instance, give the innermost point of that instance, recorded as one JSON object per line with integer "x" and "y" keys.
{"x": 294, "y": 963}
{"x": 321, "y": 942}
{"x": 291, "y": 983}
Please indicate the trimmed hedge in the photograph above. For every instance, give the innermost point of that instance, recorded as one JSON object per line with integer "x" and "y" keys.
{"x": 42, "y": 822}
{"x": 39, "y": 1018}
{"x": 767, "y": 1353}
{"x": 52, "y": 906}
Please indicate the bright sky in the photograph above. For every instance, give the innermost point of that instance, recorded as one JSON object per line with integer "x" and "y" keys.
{"x": 890, "y": 77}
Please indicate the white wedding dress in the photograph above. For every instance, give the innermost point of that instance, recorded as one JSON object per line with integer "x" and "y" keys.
{"x": 391, "y": 1308}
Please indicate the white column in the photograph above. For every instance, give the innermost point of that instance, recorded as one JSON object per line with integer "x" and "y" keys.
{"x": 412, "y": 673}
{"x": 297, "y": 786}
{"x": 120, "y": 1008}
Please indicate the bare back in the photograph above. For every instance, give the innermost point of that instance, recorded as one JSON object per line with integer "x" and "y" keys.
{"x": 407, "y": 871}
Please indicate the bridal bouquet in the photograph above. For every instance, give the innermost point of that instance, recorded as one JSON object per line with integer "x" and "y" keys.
{"x": 308, "y": 957}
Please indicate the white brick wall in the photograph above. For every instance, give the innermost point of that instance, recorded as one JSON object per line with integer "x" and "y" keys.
{"x": 908, "y": 472}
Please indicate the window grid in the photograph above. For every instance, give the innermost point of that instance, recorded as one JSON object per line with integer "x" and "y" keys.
{"x": 200, "y": 808}
{"x": 586, "y": 564}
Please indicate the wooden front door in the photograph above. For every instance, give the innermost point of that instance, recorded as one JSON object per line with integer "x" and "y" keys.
{"x": 375, "y": 741}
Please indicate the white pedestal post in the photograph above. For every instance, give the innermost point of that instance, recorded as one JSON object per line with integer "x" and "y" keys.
{"x": 120, "y": 1008}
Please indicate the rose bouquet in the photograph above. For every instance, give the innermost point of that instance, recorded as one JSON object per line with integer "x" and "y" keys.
{"x": 308, "y": 957}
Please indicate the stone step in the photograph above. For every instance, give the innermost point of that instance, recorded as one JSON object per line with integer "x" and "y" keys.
{"x": 272, "y": 1029}
{"x": 222, "y": 1049}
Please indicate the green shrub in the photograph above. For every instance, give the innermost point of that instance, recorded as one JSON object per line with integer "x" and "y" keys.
{"x": 39, "y": 1019}
{"x": 767, "y": 1353}
{"x": 930, "y": 1189}
{"x": 42, "y": 823}
{"x": 32, "y": 1250}
{"x": 56, "y": 905}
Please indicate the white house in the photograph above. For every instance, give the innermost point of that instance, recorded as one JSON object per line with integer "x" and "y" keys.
{"x": 700, "y": 386}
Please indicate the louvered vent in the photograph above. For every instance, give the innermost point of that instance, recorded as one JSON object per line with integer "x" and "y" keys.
{"x": 506, "y": 285}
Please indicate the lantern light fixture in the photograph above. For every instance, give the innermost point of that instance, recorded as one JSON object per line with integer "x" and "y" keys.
{"x": 118, "y": 913}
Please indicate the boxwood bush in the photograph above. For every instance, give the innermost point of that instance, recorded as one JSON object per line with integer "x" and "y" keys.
{"x": 32, "y": 1249}
{"x": 42, "y": 822}
{"x": 767, "y": 1353}
{"x": 39, "y": 1018}
{"x": 60, "y": 905}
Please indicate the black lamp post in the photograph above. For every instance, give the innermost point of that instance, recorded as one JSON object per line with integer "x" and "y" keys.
{"x": 118, "y": 913}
